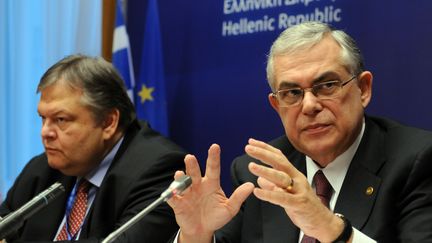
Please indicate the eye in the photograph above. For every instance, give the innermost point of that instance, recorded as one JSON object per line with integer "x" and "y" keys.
{"x": 328, "y": 85}
{"x": 62, "y": 122}
{"x": 326, "y": 88}
{"x": 290, "y": 93}
{"x": 60, "y": 119}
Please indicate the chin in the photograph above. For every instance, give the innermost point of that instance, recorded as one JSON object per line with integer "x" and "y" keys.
{"x": 56, "y": 164}
{"x": 318, "y": 148}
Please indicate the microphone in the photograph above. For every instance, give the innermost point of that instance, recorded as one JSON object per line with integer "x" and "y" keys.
{"x": 175, "y": 188}
{"x": 13, "y": 221}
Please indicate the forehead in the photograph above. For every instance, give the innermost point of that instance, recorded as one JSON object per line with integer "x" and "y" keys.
{"x": 303, "y": 66}
{"x": 60, "y": 97}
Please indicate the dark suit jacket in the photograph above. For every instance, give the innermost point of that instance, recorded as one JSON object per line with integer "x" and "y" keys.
{"x": 395, "y": 160}
{"x": 142, "y": 168}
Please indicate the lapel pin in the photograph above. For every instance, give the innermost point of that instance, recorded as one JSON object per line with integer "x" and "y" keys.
{"x": 369, "y": 190}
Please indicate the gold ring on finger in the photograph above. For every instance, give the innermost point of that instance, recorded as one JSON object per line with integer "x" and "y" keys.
{"x": 290, "y": 186}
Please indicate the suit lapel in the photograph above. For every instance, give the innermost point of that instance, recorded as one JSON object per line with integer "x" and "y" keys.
{"x": 55, "y": 220}
{"x": 354, "y": 201}
{"x": 49, "y": 218}
{"x": 361, "y": 185}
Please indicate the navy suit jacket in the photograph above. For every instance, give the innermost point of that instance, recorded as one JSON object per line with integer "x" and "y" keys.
{"x": 142, "y": 168}
{"x": 394, "y": 160}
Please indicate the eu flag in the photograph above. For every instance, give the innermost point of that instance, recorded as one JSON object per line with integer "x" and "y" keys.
{"x": 148, "y": 90}
{"x": 150, "y": 101}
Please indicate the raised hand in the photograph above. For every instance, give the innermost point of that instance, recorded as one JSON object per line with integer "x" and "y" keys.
{"x": 203, "y": 207}
{"x": 282, "y": 184}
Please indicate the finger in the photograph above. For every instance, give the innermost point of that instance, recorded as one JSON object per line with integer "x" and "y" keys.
{"x": 174, "y": 201}
{"x": 178, "y": 174}
{"x": 271, "y": 156}
{"x": 239, "y": 196}
{"x": 177, "y": 202}
{"x": 171, "y": 203}
{"x": 269, "y": 186}
{"x": 213, "y": 163}
{"x": 279, "y": 178}
{"x": 193, "y": 169}
{"x": 262, "y": 145}
{"x": 280, "y": 198}
{"x": 267, "y": 154}
{"x": 266, "y": 184}
{"x": 274, "y": 159}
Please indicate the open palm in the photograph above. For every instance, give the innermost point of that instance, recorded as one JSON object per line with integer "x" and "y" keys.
{"x": 204, "y": 207}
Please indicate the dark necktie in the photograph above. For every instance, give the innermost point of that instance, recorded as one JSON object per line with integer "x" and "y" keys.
{"x": 77, "y": 214}
{"x": 324, "y": 191}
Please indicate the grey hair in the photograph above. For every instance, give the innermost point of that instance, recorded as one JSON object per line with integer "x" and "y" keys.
{"x": 102, "y": 86}
{"x": 307, "y": 34}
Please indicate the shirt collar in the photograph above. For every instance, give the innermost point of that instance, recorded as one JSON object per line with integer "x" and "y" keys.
{"x": 96, "y": 176}
{"x": 336, "y": 170}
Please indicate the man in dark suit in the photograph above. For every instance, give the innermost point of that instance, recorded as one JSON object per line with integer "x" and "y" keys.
{"x": 336, "y": 175}
{"x": 90, "y": 134}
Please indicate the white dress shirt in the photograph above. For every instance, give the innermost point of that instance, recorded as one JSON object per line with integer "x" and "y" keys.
{"x": 335, "y": 173}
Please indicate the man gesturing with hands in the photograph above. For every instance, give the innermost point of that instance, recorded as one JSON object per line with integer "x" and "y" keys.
{"x": 204, "y": 208}
{"x": 337, "y": 175}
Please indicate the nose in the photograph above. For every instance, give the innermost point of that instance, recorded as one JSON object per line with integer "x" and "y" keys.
{"x": 47, "y": 131}
{"x": 311, "y": 104}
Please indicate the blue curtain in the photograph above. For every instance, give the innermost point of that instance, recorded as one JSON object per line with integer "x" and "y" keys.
{"x": 33, "y": 36}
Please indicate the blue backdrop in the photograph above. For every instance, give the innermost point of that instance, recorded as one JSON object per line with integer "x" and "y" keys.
{"x": 215, "y": 54}
{"x": 33, "y": 36}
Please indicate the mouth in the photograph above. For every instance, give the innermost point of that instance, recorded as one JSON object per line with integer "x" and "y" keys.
{"x": 316, "y": 128}
{"x": 51, "y": 150}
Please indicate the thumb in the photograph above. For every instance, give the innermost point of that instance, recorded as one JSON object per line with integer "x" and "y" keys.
{"x": 239, "y": 196}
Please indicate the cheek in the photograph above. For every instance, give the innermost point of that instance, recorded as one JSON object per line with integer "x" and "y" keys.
{"x": 75, "y": 144}
{"x": 93, "y": 142}
{"x": 348, "y": 117}
{"x": 289, "y": 121}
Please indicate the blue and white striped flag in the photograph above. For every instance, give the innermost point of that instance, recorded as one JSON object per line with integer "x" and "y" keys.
{"x": 121, "y": 52}
{"x": 148, "y": 91}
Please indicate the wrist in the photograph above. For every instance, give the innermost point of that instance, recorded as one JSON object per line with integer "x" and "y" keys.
{"x": 346, "y": 233}
{"x": 331, "y": 229}
{"x": 195, "y": 238}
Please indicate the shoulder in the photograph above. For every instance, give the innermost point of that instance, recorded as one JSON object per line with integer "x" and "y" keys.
{"x": 149, "y": 140}
{"x": 144, "y": 150}
{"x": 37, "y": 169}
{"x": 35, "y": 177}
{"x": 406, "y": 151}
{"x": 144, "y": 165}
{"x": 399, "y": 138}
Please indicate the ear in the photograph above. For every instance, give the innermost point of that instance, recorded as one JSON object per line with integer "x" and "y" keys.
{"x": 365, "y": 85}
{"x": 110, "y": 124}
{"x": 273, "y": 102}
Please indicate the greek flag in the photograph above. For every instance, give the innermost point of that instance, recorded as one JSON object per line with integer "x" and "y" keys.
{"x": 121, "y": 52}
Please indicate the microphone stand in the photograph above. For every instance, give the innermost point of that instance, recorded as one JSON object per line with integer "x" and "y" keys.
{"x": 176, "y": 187}
{"x": 15, "y": 220}
{"x": 111, "y": 237}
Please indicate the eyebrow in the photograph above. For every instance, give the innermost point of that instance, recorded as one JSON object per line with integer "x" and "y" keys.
{"x": 55, "y": 112}
{"x": 321, "y": 78}
{"x": 326, "y": 76}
